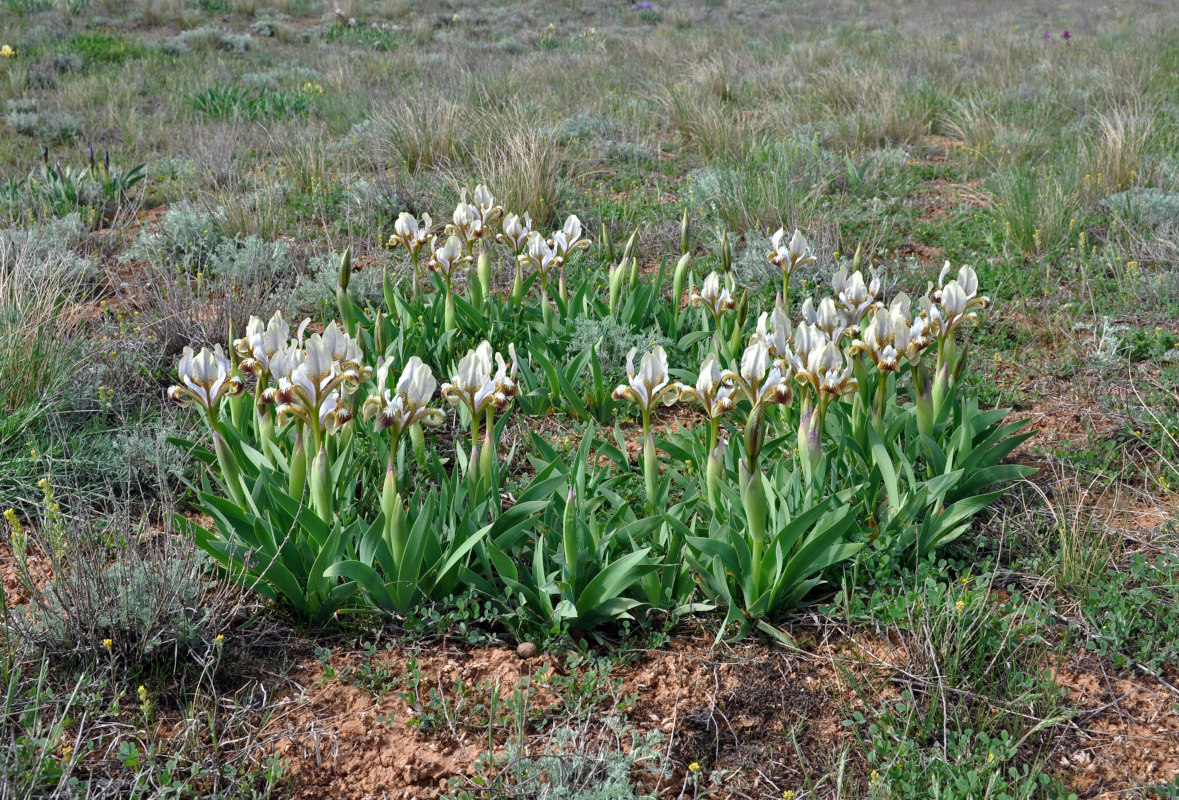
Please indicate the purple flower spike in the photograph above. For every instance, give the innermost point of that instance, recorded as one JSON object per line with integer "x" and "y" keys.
{"x": 1064, "y": 35}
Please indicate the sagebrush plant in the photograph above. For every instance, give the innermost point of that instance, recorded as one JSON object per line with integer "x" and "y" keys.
{"x": 50, "y": 247}
{"x": 299, "y": 449}
{"x": 1149, "y": 208}
{"x": 123, "y": 626}
{"x": 577, "y": 763}
{"x": 44, "y": 125}
{"x": 610, "y": 342}
{"x": 151, "y": 609}
{"x": 186, "y": 238}
{"x": 153, "y": 606}
{"x": 204, "y": 285}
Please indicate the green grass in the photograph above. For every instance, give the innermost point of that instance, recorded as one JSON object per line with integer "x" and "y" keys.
{"x": 231, "y": 104}
{"x": 99, "y": 49}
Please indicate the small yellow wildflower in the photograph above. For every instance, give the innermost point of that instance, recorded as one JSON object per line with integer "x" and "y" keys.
{"x": 694, "y": 767}
{"x": 108, "y": 644}
{"x": 219, "y": 639}
{"x": 788, "y": 794}
{"x": 961, "y": 604}
{"x": 142, "y": 692}
{"x": 990, "y": 757}
{"x": 7, "y": 52}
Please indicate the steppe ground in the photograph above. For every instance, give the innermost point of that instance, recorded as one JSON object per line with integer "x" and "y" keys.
{"x": 1037, "y": 142}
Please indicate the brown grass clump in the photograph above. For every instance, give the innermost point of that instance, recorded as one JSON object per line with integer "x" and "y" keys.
{"x": 37, "y": 341}
{"x": 424, "y": 133}
{"x": 1113, "y": 158}
{"x": 526, "y": 168}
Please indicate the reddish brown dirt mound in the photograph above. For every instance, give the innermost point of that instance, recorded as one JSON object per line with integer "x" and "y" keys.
{"x": 342, "y": 742}
{"x": 16, "y": 591}
{"x": 1127, "y": 735}
{"x": 756, "y": 718}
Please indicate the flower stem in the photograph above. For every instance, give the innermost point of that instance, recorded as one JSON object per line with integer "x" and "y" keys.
{"x": 229, "y": 469}
{"x": 518, "y": 286}
{"x": 713, "y": 466}
{"x": 448, "y": 320}
{"x": 488, "y": 455}
{"x": 753, "y": 497}
{"x": 650, "y": 472}
{"x": 417, "y": 279}
{"x": 390, "y": 506}
{"x": 881, "y": 391}
{"x": 321, "y": 490}
{"x": 545, "y": 312}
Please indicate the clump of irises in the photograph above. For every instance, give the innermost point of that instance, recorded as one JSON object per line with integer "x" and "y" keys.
{"x": 287, "y": 399}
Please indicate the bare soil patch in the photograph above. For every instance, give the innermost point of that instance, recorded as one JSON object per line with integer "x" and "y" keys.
{"x": 765, "y": 718}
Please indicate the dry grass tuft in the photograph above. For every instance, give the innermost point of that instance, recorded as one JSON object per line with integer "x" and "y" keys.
{"x": 163, "y": 13}
{"x": 250, "y": 207}
{"x": 872, "y": 105}
{"x": 523, "y": 165}
{"x": 38, "y": 342}
{"x": 718, "y": 76}
{"x": 1075, "y": 528}
{"x": 424, "y": 133}
{"x": 972, "y": 122}
{"x": 715, "y": 128}
{"x": 768, "y": 185}
{"x": 1114, "y": 158}
{"x": 1036, "y": 211}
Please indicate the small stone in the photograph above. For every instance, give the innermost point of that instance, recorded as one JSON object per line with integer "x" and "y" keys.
{"x": 526, "y": 649}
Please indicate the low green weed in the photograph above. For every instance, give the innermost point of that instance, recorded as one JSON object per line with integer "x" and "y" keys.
{"x": 99, "y": 48}
{"x": 1132, "y": 616}
{"x": 234, "y": 104}
{"x": 965, "y": 765}
{"x": 381, "y": 39}
{"x": 972, "y": 658}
